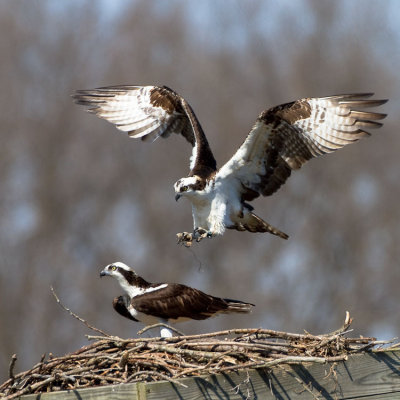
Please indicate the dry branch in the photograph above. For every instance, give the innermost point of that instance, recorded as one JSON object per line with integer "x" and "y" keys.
{"x": 75, "y": 315}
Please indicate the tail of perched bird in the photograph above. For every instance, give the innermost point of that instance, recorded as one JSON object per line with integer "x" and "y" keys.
{"x": 237, "y": 306}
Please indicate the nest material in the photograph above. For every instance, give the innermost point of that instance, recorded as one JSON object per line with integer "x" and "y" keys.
{"x": 112, "y": 360}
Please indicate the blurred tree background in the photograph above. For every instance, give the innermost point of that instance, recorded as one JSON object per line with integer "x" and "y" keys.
{"x": 77, "y": 195}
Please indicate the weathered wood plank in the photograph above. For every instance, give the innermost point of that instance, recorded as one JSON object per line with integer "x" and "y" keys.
{"x": 361, "y": 375}
{"x": 112, "y": 392}
{"x": 370, "y": 375}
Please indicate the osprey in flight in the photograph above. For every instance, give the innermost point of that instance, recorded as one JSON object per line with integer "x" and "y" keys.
{"x": 152, "y": 303}
{"x": 282, "y": 139}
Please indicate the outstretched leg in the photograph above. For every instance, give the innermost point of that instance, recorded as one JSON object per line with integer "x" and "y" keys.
{"x": 198, "y": 234}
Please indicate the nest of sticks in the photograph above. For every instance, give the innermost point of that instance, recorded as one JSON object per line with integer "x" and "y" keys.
{"x": 113, "y": 360}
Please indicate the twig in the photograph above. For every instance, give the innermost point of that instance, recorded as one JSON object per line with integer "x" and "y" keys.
{"x": 343, "y": 329}
{"x": 159, "y": 325}
{"x": 157, "y": 374}
{"x": 41, "y": 362}
{"x": 192, "y": 353}
{"x": 77, "y": 316}
{"x": 11, "y": 367}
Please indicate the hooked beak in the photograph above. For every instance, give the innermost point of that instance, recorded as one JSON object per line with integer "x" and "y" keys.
{"x": 177, "y": 197}
{"x": 104, "y": 273}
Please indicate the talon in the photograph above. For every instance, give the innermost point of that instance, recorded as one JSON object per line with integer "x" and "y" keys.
{"x": 198, "y": 234}
{"x": 201, "y": 233}
{"x": 179, "y": 237}
{"x": 185, "y": 238}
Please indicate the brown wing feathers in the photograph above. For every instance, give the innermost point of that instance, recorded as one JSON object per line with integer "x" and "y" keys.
{"x": 180, "y": 301}
{"x": 308, "y": 128}
{"x": 150, "y": 112}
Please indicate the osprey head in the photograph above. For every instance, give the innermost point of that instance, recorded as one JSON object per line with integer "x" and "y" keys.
{"x": 188, "y": 186}
{"x": 120, "y": 271}
{"x": 126, "y": 276}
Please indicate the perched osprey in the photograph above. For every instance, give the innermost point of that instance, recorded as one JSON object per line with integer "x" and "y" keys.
{"x": 152, "y": 303}
{"x": 282, "y": 139}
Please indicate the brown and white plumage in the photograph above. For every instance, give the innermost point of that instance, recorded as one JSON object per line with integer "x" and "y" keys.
{"x": 282, "y": 139}
{"x": 151, "y": 303}
{"x": 150, "y": 112}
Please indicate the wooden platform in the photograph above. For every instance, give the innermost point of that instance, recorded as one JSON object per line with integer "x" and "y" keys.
{"x": 372, "y": 375}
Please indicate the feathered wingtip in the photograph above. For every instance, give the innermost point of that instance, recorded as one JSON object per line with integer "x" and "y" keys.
{"x": 351, "y": 102}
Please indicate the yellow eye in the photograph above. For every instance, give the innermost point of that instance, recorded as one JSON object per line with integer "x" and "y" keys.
{"x": 184, "y": 188}
{"x": 113, "y": 268}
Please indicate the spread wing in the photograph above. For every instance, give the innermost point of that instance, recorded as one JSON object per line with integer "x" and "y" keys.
{"x": 179, "y": 301}
{"x": 285, "y": 137}
{"x": 150, "y": 112}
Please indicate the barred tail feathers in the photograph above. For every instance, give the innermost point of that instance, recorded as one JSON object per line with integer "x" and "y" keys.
{"x": 252, "y": 223}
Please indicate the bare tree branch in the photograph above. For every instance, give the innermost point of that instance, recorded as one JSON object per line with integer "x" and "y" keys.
{"x": 77, "y": 316}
